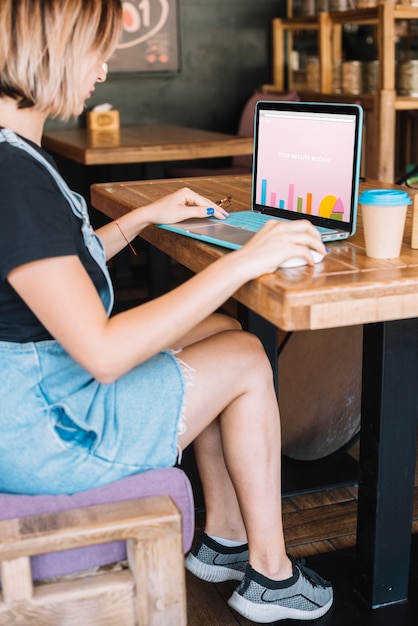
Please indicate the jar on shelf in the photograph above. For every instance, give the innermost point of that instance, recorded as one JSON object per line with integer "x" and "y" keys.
{"x": 409, "y": 3}
{"x": 306, "y": 8}
{"x": 366, "y": 4}
{"x": 336, "y": 77}
{"x": 321, "y": 6}
{"x": 407, "y": 78}
{"x": 338, "y": 5}
{"x": 295, "y": 8}
{"x": 312, "y": 75}
{"x": 370, "y": 76}
{"x": 351, "y": 77}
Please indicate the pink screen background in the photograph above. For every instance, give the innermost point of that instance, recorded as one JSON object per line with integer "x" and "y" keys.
{"x": 315, "y": 156}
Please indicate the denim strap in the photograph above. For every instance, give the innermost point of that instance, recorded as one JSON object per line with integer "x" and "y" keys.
{"x": 78, "y": 206}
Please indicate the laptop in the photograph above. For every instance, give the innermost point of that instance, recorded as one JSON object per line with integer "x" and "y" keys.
{"x": 306, "y": 165}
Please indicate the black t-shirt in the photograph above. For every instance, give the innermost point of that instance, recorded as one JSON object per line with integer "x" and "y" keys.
{"x": 36, "y": 222}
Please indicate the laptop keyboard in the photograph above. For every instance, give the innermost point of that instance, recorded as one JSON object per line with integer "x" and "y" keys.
{"x": 252, "y": 220}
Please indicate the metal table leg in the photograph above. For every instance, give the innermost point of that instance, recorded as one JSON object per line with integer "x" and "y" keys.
{"x": 387, "y": 459}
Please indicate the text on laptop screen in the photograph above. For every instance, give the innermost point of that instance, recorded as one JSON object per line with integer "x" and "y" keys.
{"x": 304, "y": 163}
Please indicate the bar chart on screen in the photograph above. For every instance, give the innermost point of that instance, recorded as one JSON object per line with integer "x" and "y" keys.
{"x": 330, "y": 205}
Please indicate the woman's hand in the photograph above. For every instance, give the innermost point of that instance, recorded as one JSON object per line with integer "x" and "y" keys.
{"x": 178, "y": 206}
{"x": 277, "y": 242}
{"x": 181, "y": 205}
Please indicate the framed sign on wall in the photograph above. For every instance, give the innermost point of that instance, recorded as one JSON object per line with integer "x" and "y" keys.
{"x": 150, "y": 40}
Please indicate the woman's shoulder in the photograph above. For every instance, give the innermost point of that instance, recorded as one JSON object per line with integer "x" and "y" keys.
{"x": 16, "y": 141}
{"x": 19, "y": 169}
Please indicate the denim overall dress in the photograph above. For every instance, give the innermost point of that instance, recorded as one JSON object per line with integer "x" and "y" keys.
{"x": 61, "y": 431}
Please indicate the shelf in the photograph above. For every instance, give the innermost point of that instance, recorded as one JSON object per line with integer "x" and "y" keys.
{"x": 404, "y": 103}
{"x": 380, "y": 107}
{"x": 403, "y": 12}
{"x": 368, "y": 101}
{"x": 368, "y": 15}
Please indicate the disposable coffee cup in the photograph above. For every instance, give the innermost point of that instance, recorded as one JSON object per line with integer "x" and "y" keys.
{"x": 384, "y": 213}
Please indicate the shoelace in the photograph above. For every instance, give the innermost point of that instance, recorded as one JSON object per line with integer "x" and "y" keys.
{"x": 308, "y": 573}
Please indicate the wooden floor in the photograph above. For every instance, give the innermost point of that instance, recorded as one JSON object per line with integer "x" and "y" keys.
{"x": 317, "y": 523}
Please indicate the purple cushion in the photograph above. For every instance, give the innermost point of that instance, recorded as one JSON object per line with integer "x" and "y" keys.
{"x": 168, "y": 481}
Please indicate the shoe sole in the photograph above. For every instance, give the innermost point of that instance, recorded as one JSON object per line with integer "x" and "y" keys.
{"x": 264, "y": 614}
{"x": 211, "y": 573}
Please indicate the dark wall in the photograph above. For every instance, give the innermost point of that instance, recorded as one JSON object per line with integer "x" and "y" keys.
{"x": 225, "y": 54}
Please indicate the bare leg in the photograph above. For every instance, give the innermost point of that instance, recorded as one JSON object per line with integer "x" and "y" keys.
{"x": 239, "y": 452}
{"x": 223, "y": 512}
{"x": 212, "y": 325}
{"x": 225, "y": 521}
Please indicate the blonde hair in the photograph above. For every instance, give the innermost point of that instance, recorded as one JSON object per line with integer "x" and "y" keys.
{"x": 43, "y": 43}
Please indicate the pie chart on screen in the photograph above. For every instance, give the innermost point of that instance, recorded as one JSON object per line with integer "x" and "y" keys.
{"x": 331, "y": 207}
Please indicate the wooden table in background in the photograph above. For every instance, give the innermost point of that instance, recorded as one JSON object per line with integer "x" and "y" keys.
{"x": 147, "y": 143}
{"x": 346, "y": 289}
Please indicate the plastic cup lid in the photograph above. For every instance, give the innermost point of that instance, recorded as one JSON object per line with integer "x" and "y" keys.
{"x": 385, "y": 197}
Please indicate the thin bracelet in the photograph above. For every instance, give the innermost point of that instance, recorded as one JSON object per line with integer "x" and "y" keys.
{"x": 124, "y": 236}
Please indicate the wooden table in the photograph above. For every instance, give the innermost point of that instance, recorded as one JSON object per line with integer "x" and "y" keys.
{"x": 346, "y": 289}
{"x": 147, "y": 143}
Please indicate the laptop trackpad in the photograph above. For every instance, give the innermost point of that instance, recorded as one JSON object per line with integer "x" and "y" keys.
{"x": 215, "y": 230}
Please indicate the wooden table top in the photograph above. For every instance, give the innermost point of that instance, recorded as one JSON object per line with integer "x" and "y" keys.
{"x": 346, "y": 289}
{"x": 143, "y": 144}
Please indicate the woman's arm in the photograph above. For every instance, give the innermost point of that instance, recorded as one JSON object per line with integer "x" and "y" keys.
{"x": 180, "y": 205}
{"x": 62, "y": 296}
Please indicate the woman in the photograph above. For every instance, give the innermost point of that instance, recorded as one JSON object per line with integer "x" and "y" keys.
{"x": 87, "y": 398}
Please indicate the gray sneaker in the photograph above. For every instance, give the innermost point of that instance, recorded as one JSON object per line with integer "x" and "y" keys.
{"x": 211, "y": 561}
{"x": 304, "y": 596}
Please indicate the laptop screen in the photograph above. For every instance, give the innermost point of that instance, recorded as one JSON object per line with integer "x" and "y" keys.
{"x": 306, "y": 161}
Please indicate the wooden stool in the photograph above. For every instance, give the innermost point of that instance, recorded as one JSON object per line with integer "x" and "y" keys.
{"x": 152, "y": 531}
{"x": 151, "y": 592}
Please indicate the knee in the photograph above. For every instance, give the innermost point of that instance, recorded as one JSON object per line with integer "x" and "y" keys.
{"x": 251, "y": 352}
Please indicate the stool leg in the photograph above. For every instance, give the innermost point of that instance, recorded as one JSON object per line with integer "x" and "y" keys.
{"x": 157, "y": 564}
